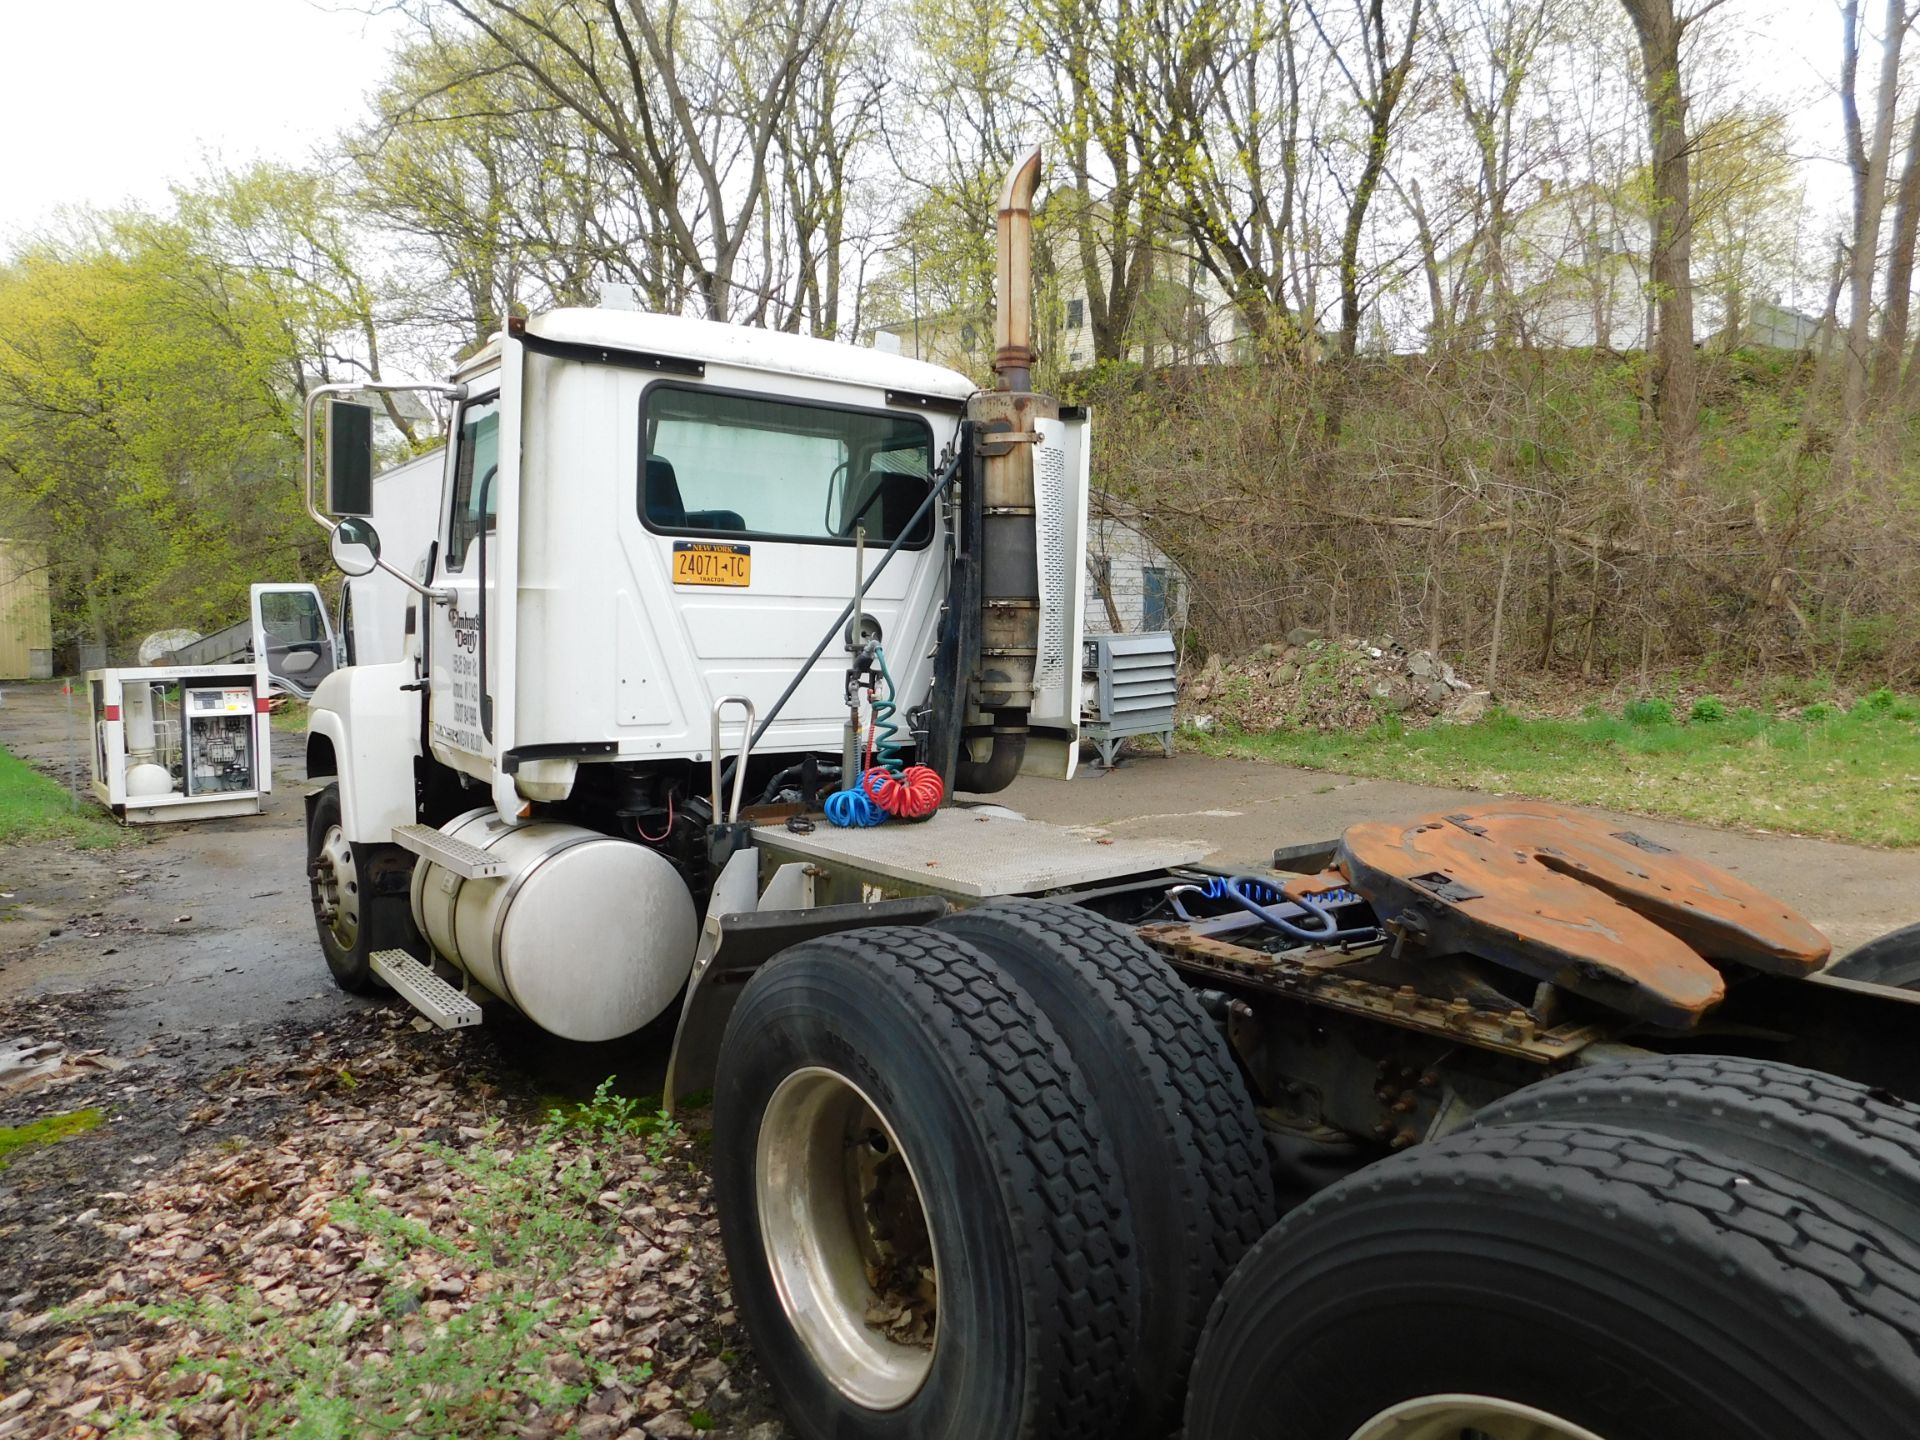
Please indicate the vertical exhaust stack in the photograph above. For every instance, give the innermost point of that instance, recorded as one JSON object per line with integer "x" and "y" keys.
{"x": 1005, "y": 429}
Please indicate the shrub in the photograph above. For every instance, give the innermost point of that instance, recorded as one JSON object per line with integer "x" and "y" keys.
{"x": 1708, "y": 709}
{"x": 1647, "y": 713}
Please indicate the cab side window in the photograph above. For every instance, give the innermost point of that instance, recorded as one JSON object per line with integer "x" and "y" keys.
{"x": 476, "y": 493}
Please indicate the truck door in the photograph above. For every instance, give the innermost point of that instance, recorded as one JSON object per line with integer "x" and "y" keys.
{"x": 292, "y": 636}
{"x": 462, "y": 675}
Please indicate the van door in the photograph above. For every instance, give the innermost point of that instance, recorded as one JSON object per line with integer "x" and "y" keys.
{"x": 293, "y": 637}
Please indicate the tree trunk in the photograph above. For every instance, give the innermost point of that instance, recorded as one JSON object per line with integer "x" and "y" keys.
{"x": 1670, "y": 257}
{"x": 1869, "y": 161}
{"x": 1893, "y": 324}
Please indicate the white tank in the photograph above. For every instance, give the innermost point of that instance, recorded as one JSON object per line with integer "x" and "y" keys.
{"x": 148, "y": 779}
{"x": 587, "y": 936}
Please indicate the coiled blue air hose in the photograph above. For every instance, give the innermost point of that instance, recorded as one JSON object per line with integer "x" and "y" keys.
{"x": 853, "y": 809}
{"x": 1329, "y": 931}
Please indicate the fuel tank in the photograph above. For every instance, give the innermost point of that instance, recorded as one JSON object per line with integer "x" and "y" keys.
{"x": 587, "y": 936}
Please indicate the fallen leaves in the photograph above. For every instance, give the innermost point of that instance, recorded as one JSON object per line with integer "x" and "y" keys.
{"x": 408, "y": 1241}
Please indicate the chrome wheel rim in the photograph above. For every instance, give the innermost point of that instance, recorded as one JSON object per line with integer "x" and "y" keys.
{"x": 336, "y": 889}
{"x": 1468, "y": 1417}
{"x": 844, "y": 1229}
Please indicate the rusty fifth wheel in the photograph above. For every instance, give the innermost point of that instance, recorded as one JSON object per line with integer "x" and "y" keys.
{"x": 1564, "y": 1282}
{"x": 922, "y": 1214}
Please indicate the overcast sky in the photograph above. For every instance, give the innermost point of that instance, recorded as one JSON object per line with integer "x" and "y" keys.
{"x": 108, "y": 101}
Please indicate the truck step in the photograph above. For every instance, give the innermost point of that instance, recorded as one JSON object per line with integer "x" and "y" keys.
{"x": 469, "y": 862}
{"x": 425, "y": 991}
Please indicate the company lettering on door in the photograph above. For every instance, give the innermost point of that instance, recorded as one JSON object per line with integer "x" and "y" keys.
{"x": 457, "y": 718}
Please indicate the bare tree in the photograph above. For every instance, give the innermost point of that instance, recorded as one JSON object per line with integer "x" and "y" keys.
{"x": 1868, "y": 157}
{"x": 1661, "y": 29}
{"x": 689, "y": 98}
{"x": 1094, "y": 55}
{"x": 1378, "y": 86}
{"x": 1226, "y": 112}
{"x": 1490, "y": 47}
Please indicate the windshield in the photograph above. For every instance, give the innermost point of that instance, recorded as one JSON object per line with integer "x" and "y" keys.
{"x": 722, "y": 463}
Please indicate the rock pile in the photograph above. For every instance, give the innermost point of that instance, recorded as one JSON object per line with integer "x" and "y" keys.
{"x": 1313, "y": 683}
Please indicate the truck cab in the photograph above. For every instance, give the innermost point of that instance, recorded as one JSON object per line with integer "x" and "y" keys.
{"x": 638, "y": 616}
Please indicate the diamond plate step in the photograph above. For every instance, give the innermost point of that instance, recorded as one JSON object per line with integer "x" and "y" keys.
{"x": 425, "y": 991}
{"x": 469, "y": 862}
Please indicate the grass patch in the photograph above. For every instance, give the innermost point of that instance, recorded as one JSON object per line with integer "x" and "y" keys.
{"x": 48, "y": 1130}
{"x": 1847, "y": 774}
{"x": 32, "y": 807}
{"x": 290, "y": 714}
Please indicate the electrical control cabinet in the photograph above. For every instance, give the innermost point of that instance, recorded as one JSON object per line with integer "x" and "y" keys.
{"x": 180, "y": 742}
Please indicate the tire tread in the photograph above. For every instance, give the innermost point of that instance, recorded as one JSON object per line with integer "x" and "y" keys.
{"x": 1063, "y": 1184}
{"x": 1821, "y": 1269}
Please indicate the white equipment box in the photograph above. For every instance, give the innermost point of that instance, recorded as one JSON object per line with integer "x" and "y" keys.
{"x": 180, "y": 742}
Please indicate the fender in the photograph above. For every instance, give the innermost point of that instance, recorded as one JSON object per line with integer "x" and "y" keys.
{"x": 364, "y": 729}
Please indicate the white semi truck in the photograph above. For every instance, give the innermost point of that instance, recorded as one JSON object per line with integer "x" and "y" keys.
{"x": 1496, "y": 1124}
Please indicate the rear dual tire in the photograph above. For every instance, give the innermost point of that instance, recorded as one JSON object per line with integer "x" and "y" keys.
{"x": 1192, "y": 1163}
{"x": 1893, "y": 959}
{"x": 1859, "y": 1146}
{"x": 1563, "y": 1282}
{"x": 921, "y": 1211}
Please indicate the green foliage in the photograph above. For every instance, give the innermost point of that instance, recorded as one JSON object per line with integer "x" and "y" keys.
{"x": 616, "y": 1115}
{"x": 1646, "y": 713}
{"x": 1708, "y": 709}
{"x": 32, "y": 807}
{"x": 151, "y": 378}
{"x": 1884, "y": 702}
{"x": 1848, "y": 775}
{"x": 48, "y": 1130}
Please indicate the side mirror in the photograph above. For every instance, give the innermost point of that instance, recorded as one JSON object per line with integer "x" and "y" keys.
{"x": 355, "y": 546}
{"x": 349, "y": 458}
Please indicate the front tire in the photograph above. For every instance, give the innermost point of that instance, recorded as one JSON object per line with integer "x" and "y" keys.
{"x": 1622, "y": 1286}
{"x": 922, "y": 1220}
{"x": 342, "y": 902}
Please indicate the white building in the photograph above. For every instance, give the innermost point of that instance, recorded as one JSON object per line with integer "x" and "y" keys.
{"x": 1183, "y": 315}
{"x": 1576, "y": 262}
{"x": 1132, "y": 584}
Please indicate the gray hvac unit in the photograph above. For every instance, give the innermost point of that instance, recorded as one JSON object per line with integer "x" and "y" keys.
{"x": 1128, "y": 688}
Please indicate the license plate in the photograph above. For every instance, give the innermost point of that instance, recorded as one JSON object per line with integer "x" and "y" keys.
{"x": 698, "y": 564}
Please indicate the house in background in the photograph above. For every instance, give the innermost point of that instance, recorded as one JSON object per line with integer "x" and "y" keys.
{"x": 1771, "y": 325}
{"x": 1576, "y": 265}
{"x": 26, "y": 613}
{"x": 1132, "y": 585}
{"x": 1183, "y": 316}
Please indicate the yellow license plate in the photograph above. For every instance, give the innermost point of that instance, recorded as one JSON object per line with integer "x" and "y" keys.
{"x": 698, "y": 564}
